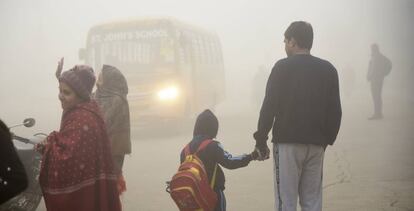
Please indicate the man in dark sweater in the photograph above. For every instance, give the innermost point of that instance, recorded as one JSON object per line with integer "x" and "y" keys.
{"x": 206, "y": 127}
{"x": 379, "y": 67}
{"x": 302, "y": 104}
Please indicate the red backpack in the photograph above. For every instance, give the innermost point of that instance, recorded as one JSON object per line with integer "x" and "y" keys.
{"x": 189, "y": 187}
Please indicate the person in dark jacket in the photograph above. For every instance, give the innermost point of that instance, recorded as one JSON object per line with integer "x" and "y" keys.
{"x": 206, "y": 127}
{"x": 302, "y": 104}
{"x": 13, "y": 179}
{"x": 111, "y": 96}
{"x": 379, "y": 67}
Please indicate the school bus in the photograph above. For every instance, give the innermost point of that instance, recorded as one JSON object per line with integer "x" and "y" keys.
{"x": 173, "y": 69}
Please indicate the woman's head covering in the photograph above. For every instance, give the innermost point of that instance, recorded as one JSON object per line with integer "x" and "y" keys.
{"x": 206, "y": 125}
{"x": 111, "y": 95}
{"x": 113, "y": 81}
{"x": 81, "y": 79}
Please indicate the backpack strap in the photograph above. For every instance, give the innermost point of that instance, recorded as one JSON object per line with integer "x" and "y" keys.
{"x": 187, "y": 150}
{"x": 213, "y": 180}
{"x": 202, "y": 146}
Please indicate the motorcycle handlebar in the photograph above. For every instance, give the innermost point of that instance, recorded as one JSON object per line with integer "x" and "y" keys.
{"x": 24, "y": 140}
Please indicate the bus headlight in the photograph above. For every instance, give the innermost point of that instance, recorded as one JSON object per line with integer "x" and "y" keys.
{"x": 168, "y": 94}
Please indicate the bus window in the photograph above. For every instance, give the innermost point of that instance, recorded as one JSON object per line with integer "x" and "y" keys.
{"x": 130, "y": 52}
{"x": 196, "y": 51}
{"x": 167, "y": 50}
{"x": 216, "y": 52}
{"x": 203, "y": 53}
{"x": 207, "y": 50}
{"x": 207, "y": 54}
{"x": 212, "y": 53}
{"x": 184, "y": 46}
{"x": 181, "y": 55}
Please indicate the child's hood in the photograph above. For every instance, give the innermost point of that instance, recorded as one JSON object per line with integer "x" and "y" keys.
{"x": 206, "y": 125}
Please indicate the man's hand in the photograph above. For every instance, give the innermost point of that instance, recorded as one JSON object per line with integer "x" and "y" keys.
{"x": 59, "y": 67}
{"x": 263, "y": 152}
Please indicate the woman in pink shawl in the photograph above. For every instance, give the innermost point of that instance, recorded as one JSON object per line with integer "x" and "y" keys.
{"x": 77, "y": 171}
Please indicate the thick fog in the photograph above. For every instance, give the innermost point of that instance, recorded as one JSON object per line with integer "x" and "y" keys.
{"x": 35, "y": 34}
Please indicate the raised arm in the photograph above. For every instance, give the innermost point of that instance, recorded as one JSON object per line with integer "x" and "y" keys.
{"x": 59, "y": 67}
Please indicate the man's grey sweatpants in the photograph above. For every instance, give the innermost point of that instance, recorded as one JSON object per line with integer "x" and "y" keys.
{"x": 298, "y": 170}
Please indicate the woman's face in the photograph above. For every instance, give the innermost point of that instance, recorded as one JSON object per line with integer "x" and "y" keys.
{"x": 67, "y": 96}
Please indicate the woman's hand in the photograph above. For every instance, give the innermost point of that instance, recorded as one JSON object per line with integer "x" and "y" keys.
{"x": 40, "y": 147}
{"x": 59, "y": 67}
{"x": 121, "y": 184}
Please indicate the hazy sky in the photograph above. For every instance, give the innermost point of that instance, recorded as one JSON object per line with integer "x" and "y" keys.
{"x": 36, "y": 33}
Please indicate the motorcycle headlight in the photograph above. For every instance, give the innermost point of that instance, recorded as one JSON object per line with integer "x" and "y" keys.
{"x": 169, "y": 93}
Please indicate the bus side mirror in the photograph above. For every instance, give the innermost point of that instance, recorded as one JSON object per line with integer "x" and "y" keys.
{"x": 82, "y": 54}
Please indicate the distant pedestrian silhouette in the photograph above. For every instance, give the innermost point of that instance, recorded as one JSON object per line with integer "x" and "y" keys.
{"x": 379, "y": 67}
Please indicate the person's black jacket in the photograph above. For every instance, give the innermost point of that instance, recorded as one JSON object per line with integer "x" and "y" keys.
{"x": 379, "y": 67}
{"x": 13, "y": 178}
{"x": 302, "y": 102}
{"x": 206, "y": 127}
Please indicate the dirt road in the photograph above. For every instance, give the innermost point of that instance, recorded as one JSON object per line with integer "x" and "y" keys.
{"x": 370, "y": 167}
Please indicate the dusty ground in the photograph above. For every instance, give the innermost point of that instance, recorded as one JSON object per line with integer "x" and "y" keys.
{"x": 370, "y": 167}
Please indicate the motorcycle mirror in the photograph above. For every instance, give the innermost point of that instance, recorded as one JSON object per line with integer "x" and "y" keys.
{"x": 29, "y": 122}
